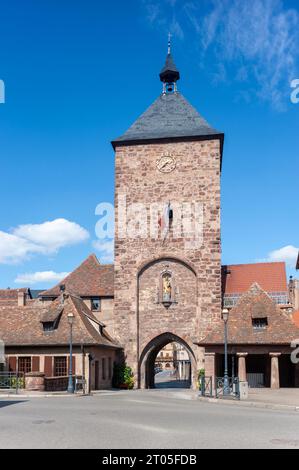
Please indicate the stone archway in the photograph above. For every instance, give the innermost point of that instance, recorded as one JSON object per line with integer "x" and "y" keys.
{"x": 149, "y": 354}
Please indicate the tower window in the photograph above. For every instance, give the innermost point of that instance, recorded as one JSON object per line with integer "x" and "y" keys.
{"x": 259, "y": 323}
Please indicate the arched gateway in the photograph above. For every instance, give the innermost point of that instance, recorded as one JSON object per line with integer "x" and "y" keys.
{"x": 149, "y": 354}
{"x": 167, "y": 281}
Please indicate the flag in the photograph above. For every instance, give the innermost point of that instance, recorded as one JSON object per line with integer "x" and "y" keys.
{"x": 165, "y": 219}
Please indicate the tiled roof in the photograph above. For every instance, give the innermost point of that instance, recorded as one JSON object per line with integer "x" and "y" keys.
{"x": 22, "y": 326}
{"x": 295, "y": 318}
{"x": 238, "y": 278}
{"x": 255, "y": 304}
{"x": 170, "y": 116}
{"x": 12, "y": 294}
{"x": 90, "y": 279}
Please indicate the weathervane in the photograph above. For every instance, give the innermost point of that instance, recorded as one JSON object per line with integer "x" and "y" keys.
{"x": 169, "y": 43}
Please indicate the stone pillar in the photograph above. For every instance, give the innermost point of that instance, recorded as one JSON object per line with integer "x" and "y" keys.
{"x": 242, "y": 366}
{"x": 275, "y": 370}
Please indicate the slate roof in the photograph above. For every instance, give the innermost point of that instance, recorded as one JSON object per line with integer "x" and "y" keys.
{"x": 255, "y": 303}
{"x": 90, "y": 279}
{"x": 239, "y": 277}
{"x": 170, "y": 116}
{"x": 169, "y": 65}
{"x": 22, "y": 326}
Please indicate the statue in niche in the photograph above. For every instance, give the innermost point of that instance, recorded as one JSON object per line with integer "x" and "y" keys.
{"x": 167, "y": 288}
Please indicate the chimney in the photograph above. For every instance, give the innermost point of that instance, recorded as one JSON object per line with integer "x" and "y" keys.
{"x": 21, "y": 299}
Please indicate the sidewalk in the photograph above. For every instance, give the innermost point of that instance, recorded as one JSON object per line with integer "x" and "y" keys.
{"x": 282, "y": 399}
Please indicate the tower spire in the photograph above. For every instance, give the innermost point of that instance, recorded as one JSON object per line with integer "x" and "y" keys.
{"x": 169, "y": 75}
{"x": 169, "y": 43}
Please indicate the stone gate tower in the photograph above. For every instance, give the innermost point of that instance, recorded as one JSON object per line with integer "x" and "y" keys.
{"x": 167, "y": 244}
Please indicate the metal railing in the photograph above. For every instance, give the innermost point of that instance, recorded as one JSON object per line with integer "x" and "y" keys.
{"x": 12, "y": 381}
{"x": 232, "y": 390}
{"x": 206, "y": 386}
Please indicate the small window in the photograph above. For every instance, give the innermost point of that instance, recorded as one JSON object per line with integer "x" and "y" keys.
{"x": 24, "y": 364}
{"x": 49, "y": 326}
{"x": 96, "y": 304}
{"x": 60, "y": 366}
{"x": 259, "y": 323}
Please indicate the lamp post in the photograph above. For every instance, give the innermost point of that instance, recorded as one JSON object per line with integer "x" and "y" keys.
{"x": 226, "y": 389}
{"x": 70, "y": 387}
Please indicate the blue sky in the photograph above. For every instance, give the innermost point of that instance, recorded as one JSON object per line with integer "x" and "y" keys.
{"x": 78, "y": 73}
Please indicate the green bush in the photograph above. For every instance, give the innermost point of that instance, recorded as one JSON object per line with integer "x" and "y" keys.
{"x": 201, "y": 373}
{"x": 17, "y": 382}
{"x": 123, "y": 376}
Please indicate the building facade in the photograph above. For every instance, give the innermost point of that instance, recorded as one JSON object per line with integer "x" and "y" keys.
{"x": 169, "y": 158}
{"x": 167, "y": 284}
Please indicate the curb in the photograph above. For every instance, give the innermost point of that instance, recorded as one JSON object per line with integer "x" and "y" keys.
{"x": 48, "y": 395}
{"x": 250, "y": 404}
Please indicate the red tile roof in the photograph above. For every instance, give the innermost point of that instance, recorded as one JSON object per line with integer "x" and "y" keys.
{"x": 90, "y": 279}
{"x": 22, "y": 326}
{"x": 254, "y": 304}
{"x": 238, "y": 278}
{"x": 295, "y": 318}
{"x": 12, "y": 294}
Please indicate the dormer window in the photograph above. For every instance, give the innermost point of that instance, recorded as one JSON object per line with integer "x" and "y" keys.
{"x": 96, "y": 304}
{"x": 260, "y": 323}
{"x": 49, "y": 326}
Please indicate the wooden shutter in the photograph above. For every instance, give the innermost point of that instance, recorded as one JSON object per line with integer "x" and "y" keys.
{"x": 12, "y": 362}
{"x": 73, "y": 364}
{"x": 35, "y": 363}
{"x": 48, "y": 366}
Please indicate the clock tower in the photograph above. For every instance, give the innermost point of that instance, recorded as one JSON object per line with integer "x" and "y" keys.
{"x": 167, "y": 231}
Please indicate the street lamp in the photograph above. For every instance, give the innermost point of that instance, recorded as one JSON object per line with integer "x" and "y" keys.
{"x": 70, "y": 387}
{"x": 226, "y": 388}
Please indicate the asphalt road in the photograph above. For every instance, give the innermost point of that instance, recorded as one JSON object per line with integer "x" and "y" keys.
{"x": 149, "y": 419}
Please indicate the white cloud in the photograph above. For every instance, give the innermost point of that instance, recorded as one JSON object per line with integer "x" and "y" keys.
{"x": 287, "y": 253}
{"x": 106, "y": 249}
{"x": 255, "y": 45}
{"x": 29, "y": 279}
{"x": 264, "y": 38}
{"x": 46, "y": 238}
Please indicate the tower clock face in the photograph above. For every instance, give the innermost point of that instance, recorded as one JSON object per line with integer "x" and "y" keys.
{"x": 166, "y": 164}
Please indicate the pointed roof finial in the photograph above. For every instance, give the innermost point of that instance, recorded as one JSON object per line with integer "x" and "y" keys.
{"x": 169, "y": 43}
{"x": 169, "y": 74}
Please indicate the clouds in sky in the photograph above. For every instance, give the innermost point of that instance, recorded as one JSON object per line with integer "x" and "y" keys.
{"x": 47, "y": 239}
{"x": 105, "y": 248}
{"x": 287, "y": 253}
{"x": 257, "y": 39}
{"x": 39, "y": 277}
